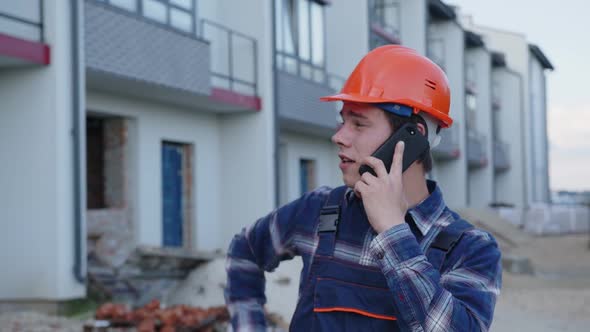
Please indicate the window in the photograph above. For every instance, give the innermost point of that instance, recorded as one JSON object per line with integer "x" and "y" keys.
{"x": 178, "y": 14}
{"x": 300, "y": 38}
{"x": 385, "y": 22}
{"x": 307, "y": 175}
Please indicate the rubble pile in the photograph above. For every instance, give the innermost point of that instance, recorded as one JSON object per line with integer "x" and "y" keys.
{"x": 152, "y": 317}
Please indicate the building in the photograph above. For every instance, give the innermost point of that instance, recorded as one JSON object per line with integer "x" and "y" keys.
{"x": 174, "y": 123}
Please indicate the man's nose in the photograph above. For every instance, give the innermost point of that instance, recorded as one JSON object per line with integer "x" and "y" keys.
{"x": 340, "y": 138}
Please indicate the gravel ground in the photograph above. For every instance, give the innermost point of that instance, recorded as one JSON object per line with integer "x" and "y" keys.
{"x": 557, "y": 297}
{"x": 36, "y": 322}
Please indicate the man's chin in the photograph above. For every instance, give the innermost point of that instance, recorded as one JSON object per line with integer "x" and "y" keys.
{"x": 348, "y": 180}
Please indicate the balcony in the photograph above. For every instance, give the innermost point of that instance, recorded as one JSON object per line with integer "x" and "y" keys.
{"x": 449, "y": 148}
{"x": 151, "y": 50}
{"x": 234, "y": 66}
{"x": 501, "y": 156}
{"x": 385, "y": 28}
{"x": 22, "y": 34}
{"x": 476, "y": 150}
{"x": 300, "y": 84}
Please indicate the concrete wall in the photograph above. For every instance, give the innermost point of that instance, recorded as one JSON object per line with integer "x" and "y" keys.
{"x": 481, "y": 180}
{"x": 295, "y": 147}
{"x": 539, "y": 145}
{"x": 452, "y": 175}
{"x": 155, "y": 123}
{"x": 347, "y": 40}
{"x": 414, "y": 23}
{"x": 515, "y": 47}
{"x": 247, "y": 140}
{"x": 510, "y": 185}
{"x": 36, "y": 211}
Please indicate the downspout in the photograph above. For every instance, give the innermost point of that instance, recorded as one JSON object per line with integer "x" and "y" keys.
{"x": 78, "y": 130}
{"x": 275, "y": 107}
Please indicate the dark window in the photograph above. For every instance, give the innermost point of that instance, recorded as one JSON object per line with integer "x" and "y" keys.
{"x": 95, "y": 163}
{"x": 307, "y": 175}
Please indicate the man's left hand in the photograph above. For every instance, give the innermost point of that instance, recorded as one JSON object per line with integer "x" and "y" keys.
{"x": 383, "y": 196}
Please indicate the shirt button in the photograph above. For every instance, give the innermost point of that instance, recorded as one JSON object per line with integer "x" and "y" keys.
{"x": 380, "y": 255}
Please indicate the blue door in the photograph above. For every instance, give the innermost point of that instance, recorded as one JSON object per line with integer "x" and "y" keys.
{"x": 172, "y": 194}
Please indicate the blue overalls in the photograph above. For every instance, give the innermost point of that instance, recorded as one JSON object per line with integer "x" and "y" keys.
{"x": 340, "y": 296}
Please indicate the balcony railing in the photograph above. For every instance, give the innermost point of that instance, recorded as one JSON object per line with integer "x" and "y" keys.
{"x": 178, "y": 15}
{"x": 476, "y": 149}
{"x": 501, "y": 156}
{"x": 295, "y": 65}
{"x": 448, "y": 149}
{"x": 23, "y": 19}
{"x": 234, "y": 58}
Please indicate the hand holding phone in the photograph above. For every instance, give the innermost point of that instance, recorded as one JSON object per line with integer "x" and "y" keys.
{"x": 415, "y": 145}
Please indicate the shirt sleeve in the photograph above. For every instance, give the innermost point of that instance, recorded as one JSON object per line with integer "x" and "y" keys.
{"x": 259, "y": 248}
{"x": 461, "y": 299}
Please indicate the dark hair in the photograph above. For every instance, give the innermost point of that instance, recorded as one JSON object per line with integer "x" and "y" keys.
{"x": 397, "y": 121}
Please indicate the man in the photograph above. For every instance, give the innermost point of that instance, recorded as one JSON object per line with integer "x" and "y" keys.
{"x": 382, "y": 253}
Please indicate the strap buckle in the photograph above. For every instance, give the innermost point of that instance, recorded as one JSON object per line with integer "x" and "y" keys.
{"x": 329, "y": 217}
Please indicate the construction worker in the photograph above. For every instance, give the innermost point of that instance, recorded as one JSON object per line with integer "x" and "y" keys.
{"x": 383, "y": 252}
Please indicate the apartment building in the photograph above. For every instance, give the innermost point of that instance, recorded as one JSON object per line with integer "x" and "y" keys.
{"x": 175, "y": 123}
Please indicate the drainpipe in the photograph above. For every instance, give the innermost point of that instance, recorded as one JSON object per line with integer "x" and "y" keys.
{"x": 275, "y": 106}
{"x": 78, "y": 133}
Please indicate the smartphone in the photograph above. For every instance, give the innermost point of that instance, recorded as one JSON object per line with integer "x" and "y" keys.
{"x": 415, "y": 145}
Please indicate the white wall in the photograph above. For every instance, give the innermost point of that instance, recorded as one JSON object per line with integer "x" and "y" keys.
{"x": 323, "y": 151}
{"x": 36, "y": 199}
{"x": 152, "y": 124}
{"x": 247, "y": 141}
{"x": 452, "y": 175}
{"x": 515, "y": 47}
{"x": 481, "y": 180}
{"x": 347, "y": 35}
{"x": 539, "y": 146}
{"x": 510, "y": 185}
{"x": 414, "y": 22}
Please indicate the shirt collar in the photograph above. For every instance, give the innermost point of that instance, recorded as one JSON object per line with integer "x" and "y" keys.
{"x": 424, "y": 213}
{"x": 429, "y": 210}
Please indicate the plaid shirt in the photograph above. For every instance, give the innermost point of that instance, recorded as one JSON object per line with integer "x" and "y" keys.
{"x": 461, "y": 297}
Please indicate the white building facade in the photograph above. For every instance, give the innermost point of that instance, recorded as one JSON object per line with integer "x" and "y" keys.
{"x": 177, "y": 123}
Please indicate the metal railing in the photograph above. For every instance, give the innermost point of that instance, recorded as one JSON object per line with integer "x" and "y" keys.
{"x": 386, "y": 23}
{"x": 163, "y": 12}
{"x": 21, "y": 21}
{"x": 295, "y": 65}
{"x": 501, "y": 155}
{"x": 449, "y": 147}
{"x": 234, "y": 58}
{"x": 476, "y": 149}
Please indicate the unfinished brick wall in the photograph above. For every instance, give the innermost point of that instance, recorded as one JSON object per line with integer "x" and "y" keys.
{"x": 110, "y": 232}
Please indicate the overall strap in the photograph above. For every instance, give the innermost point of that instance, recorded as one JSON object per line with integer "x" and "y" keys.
{"x": 445, "y": 241}
{"x": 328, "y": 221}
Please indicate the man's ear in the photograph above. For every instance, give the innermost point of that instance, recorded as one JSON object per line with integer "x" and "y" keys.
{"x": 421, "y": 129}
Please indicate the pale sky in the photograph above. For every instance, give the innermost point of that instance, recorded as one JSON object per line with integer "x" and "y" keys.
{"x": 560, "y": 29}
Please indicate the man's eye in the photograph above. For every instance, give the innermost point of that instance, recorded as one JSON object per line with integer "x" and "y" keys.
{"x": 359, "y": 124}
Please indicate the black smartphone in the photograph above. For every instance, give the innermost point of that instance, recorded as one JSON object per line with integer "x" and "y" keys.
{"x": 415, "y": 144}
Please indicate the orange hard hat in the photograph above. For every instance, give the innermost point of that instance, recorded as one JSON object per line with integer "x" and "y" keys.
{"x": 397, "y": 74}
